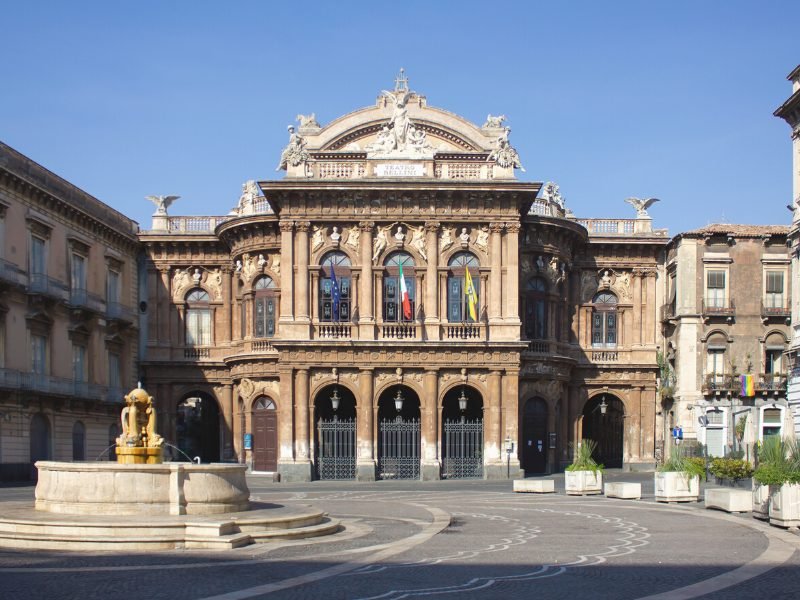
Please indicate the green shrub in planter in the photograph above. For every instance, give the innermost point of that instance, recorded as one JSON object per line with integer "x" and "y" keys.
{"x": 679, "y": 462}
{"x": 779, "y": 462}
{"x": 731, "y": 468}
{"x": 582, "y": 457}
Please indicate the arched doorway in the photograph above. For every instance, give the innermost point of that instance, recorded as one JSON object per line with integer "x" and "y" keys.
{"x": 534, "y": 436}
{"x": 462, "y": 434}
{"x": 197, "y": 427}
{"x": 398, "y": 434}
{"x": 40, "y": 443}
{"x": 335, "y": 433}
{"x": 265, "y": 435}
{"x": 604, "y": 422}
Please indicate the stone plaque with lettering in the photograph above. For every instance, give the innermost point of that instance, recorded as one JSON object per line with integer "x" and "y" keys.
{"x": 400, "y": 170}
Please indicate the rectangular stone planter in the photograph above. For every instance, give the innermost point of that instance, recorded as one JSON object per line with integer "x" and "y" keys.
{"x": 676, "y": 486}
{"x": 535, "y": 486}
{"x": 784, "y": 505}
{"x": 624, "y": 490}
{"x": 761, "y": 495}
{"x": 729, "y": 499}
{"x": 583, "y": 483}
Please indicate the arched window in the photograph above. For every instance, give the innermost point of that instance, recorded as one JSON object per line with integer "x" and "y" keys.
{"x": 78, "y": 441}
{"x": 536, "y": 309}
{"x": 394, "y": 308}
{"x": 265, "y": 310}
{"x": 264, "y": 403}
{"x": 463, "y": 300}
{"x": 198, "y": 318}
{"x": 604, "y": 320}
{"x": 334, "y": 287}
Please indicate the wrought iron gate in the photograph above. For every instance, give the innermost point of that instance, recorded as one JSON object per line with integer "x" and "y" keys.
{"x": 462, "y": 450}
{"x": 398, "y": 449}
{"x": 336, "y": 449}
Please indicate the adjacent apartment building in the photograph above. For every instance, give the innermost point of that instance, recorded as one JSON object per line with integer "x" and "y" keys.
{"x": 68, "y": 323}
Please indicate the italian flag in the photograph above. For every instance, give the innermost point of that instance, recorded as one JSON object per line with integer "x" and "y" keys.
{"x": 404, "y": 296}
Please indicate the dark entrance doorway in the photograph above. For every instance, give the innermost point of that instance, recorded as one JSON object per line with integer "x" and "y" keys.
{"x": 335, "y": 433}
{"x": 534, "y": 436}
{"x": 197, "y": 428}
{"x": 462, "y": 434}
{"x": 604, "y": 422}
{"x": 398, "y": 434}
{"x": 40, "y": 445}
{"x": 265, "y": 435}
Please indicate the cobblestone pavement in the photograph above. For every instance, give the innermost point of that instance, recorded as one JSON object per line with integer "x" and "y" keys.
{"x": 469, "y": 539}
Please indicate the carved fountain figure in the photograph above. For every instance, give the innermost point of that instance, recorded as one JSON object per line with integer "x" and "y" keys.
{"x": 139, "y": 443}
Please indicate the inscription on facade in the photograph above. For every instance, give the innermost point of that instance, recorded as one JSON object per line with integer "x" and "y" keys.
{"x": 399, "y": 170}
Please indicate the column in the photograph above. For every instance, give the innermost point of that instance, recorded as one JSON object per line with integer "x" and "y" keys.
{"x": 512, "y": 272}
{"x": 365, "y": 301}
{"x": 510, "y": 422}
{"x": 494, "y": 440}
{"x": 496, "y": 275}
{"x": 648, "y": 441}
{"x": 227, "y": 413}
{"x": 163, "y": 305}
{"x": 302, "y": 270}
{"x": 365, "y": 468}
{"x": 431, "y": 468}
{"x": 634, "y": 426}
{"x": 227, "y": 303}
{"x": 301, "y": 401}
{"x": 638, "y": 316}
{"x": 650, "y": 307}
{"x": 285, "y": 416}
{"x": 431, "y": 277}
{"x": 248, "y": 300}
{"x": 287, "y": 269}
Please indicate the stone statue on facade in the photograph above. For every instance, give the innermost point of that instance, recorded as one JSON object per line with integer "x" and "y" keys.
{"x": 276, "y": 263}
{"x": 162, "y": 203}
{"x": 295, "y": 152}
{"x": 399, "y": 122}
{"x": 551, "y": 193}
{"x": 180, "y": 279}
{"x": 336, "y": 236}
{"x": 262, "y": 262}
{"x": 539, "y": 263}
{"x": 384, "y": 143}
{"x": 482, "y": 240}
{"x": 464, "y": 237}
{"x": 238, "y": 266}
{"x": 399, "y": 236}
{"x": 641, "y": 206}
{"x": 379, "y": 244}
{"x": 446, "y": 240}
{"x": 504, "y": 154}
{"x": 247, "y": 201}
{"x": 317, "y": 238}
{"x": 418, "y": 241}
{"x": 353, "y": 236}
{"x": 307, "y": 121}
{"x": 493, "y": 122}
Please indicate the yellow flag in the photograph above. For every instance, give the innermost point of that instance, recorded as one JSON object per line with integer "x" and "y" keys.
{"x": 472, "y": 296}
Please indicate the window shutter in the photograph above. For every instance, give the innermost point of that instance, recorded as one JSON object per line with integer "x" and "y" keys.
{"x": 715, "y": 280}
{"x": 774, "y": 282}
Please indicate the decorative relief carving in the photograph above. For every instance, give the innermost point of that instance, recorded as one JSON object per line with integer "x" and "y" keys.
{"x": 275, "y": 262}
{"x": 446, "y": 238}
{"x": 493, "y": 122}
{"x": 482, "y": 239}
{"x": 214, "y": 283}
{"x": 504, "y": 154}
{"x": 380, "y": 242}
{"x": 418, "y": 241}
{"x": 317, "y": 238}
{"x": 295, "y": 153}
{"x": 353, "y": 237}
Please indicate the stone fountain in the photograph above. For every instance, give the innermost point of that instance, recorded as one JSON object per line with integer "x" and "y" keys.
{"x": 140, "y": 502}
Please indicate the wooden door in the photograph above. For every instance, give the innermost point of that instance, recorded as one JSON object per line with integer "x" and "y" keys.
{"x": 265, "y": 436}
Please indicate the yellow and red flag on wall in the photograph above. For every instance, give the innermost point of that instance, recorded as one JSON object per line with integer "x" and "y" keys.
{"x": 472, "y": 296}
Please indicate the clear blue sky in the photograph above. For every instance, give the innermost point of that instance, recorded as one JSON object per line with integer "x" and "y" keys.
{"x": 608, "y": 99}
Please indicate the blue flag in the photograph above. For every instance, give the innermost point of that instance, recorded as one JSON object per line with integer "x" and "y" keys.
{"x": 334, "y": 294}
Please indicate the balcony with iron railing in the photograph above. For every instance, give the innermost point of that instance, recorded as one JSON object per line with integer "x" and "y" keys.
{"x": 41, "y": 284}
{"x": 772, "y": 382}
{"x": 719, "y": 383}
{"x": 718, "y": 307}
{"x": 776, "y": 312}
{"x": 11, "y": 273}
{"x": 119, "y": 312}
{"x": 81, "y": 298}
{"x": 12, "y": 379}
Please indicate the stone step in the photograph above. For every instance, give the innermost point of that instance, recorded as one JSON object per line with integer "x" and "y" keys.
{"x": 327, "y": 527}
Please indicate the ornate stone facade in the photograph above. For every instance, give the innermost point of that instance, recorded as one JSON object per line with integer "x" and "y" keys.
{"x": 277, "y": 319}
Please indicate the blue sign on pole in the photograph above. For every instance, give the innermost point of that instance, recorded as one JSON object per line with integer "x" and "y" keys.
{"x": 677, "y": 432}
{"x": 248, "y": 441}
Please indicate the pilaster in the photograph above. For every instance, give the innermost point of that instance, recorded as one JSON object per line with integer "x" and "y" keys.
{"x": 365, "y": 465}
{"x": 431, "y": 466}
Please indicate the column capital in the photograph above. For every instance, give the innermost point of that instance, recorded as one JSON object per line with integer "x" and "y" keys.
{"x": 303, "y": 226}
{"x": 287, "y": 226}
{"x": 432, "y": 226}
{"x": 513, "y": 227}
{"x": 497, "y": 227}
{"x": 367, "y": 226}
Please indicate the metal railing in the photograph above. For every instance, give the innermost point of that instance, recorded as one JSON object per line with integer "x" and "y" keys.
{"x": 771, "y": 382}
{"x": 80, "y": 297}
{"x": 718, "y": 382}
{"x": 39, "y": 283}
{"x": 783, "y": 312}
{"x": 722, "y": 307}
{"x": 118, "y": 311}
{"x": 11, "y": 273}
{"x": 58, "y": 386}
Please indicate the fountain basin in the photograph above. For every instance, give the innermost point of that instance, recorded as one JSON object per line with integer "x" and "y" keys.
{"x": 81, "y": 488}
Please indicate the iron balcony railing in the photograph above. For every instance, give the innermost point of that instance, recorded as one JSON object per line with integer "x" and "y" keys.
{"x": 81, "y": 298}
{"x": 781, "y": 312}
{"x": 58, "y": 386}
{"x": 722, "y": 307}
{"x": 11, "y": 273}
{"x": 120, "y": 312}
{"x": 39, "y": 283}
{"x": 718, "y": 382}
{"x": 771, "y": 382}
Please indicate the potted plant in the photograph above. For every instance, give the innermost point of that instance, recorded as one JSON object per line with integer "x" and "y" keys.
{"x": 782, "y": 475}
{"x": 730, "y": 471}
{"x": 678, "y": 479}
{"x": 769, "y": 474}
{"x": 584, "y": 476}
